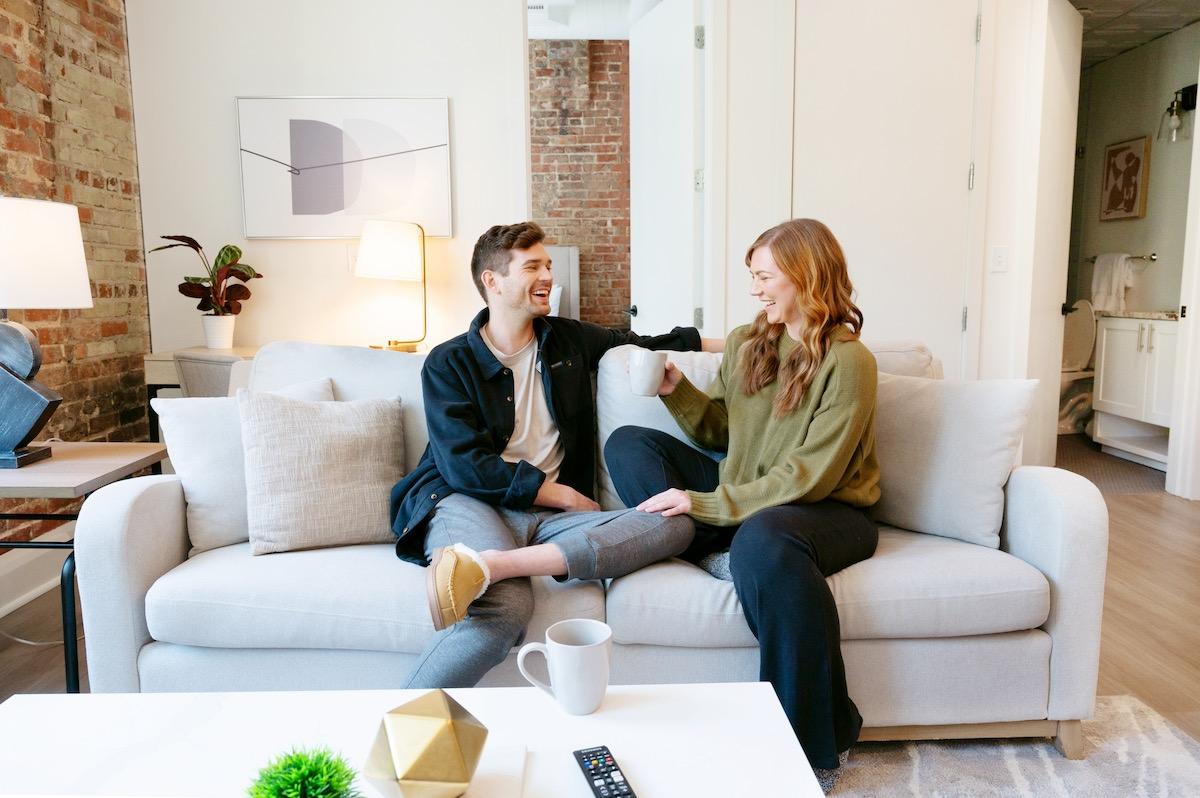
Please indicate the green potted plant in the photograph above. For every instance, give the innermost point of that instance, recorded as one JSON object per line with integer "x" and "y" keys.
{"x": 317, "y": 773}
{"x": 219, "y": 300}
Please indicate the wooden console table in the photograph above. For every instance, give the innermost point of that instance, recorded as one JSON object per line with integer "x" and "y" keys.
{"x": 73, "y": 471}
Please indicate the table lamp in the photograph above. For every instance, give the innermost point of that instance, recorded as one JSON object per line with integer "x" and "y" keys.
{"x": 394, "y": 251}
{"x": 41, "y": 266}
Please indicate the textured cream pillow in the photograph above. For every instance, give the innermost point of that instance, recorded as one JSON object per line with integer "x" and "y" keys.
{"x": 319, "y": 473}
{"x": 945, "y": 451}
{"x": 204, "y": 442}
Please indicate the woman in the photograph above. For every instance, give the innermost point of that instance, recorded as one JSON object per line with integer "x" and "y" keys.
{"x": 794, "y": 408}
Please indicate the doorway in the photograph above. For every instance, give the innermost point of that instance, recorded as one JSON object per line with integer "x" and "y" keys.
{"x": 1128, "y": 235}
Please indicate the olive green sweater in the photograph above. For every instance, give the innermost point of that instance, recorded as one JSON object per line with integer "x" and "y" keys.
{"x": 824, "y": 449}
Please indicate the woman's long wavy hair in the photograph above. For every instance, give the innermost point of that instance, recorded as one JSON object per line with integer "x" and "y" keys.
{"x": 808, "y": 254}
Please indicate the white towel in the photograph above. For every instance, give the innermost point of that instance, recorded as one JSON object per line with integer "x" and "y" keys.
{"x": 1112, "y": 275}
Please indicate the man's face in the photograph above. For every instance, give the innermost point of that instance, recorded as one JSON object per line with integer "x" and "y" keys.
{"x": 527, "y": 285}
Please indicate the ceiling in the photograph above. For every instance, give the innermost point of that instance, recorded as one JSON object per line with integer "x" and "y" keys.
{"x": 1111, "y": 27}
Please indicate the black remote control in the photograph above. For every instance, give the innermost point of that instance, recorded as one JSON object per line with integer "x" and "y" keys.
{"x": 603, "y": 775}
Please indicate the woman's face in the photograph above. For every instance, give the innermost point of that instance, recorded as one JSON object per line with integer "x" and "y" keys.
{"x": 773, "y": 288}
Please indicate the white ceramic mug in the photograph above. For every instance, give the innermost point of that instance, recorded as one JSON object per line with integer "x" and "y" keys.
{"x": 646, "y": 371}
{"x": 577, "y": 652}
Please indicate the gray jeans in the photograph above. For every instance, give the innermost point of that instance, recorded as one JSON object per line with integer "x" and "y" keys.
{"x": 596, "y": 545}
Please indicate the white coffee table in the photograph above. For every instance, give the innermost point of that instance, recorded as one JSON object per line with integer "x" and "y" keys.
{"x": 671, "y": 740}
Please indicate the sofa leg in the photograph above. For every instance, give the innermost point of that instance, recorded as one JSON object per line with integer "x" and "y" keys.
{"x": 1069, "y": 739}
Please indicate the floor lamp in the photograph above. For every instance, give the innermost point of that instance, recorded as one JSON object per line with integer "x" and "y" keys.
{"x": 42, "y": 266}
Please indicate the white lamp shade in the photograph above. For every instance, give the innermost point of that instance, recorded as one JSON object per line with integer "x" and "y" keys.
{"x": 41, "y": 256}
{"x": 391, "y": 251}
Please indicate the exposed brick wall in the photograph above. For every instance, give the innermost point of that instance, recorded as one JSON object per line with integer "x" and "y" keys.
{"x": 66, "y": 133}
{"x": 579, "y": 124}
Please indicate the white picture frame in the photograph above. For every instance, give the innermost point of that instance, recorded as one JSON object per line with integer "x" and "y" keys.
{"x": 318, "y": 167}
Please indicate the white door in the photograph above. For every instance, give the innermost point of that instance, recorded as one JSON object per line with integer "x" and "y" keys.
{"x": 1120, "y": 367}
{"x": 1161, "y": 340}
{"x": 664, "y": 154}
{"x": 883, "y": 156}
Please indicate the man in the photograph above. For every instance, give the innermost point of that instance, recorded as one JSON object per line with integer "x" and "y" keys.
{"x": 504, "y": 489}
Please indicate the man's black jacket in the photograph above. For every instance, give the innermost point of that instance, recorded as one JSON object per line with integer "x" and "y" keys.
{"x": 469, "y": 414}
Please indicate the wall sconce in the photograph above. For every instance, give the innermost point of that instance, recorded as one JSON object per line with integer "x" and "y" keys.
{"x": 394, "y": 251}
{"x": 1173, "y": 125}
{"x": 42, "y": 266}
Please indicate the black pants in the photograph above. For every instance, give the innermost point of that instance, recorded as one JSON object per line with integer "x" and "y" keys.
{"x": 779, "y": 558}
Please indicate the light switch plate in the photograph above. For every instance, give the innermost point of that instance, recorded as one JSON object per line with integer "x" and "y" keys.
{"x": 998, "y": 260}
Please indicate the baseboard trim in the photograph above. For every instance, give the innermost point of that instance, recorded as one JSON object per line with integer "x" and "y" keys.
{"x": 26, "y": 574}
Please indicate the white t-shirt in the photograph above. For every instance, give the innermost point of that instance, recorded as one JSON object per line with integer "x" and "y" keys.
{"x": 535, "y": 438}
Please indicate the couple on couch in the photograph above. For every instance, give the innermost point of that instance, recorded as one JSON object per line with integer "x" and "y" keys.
{"x": 504, "y": 489}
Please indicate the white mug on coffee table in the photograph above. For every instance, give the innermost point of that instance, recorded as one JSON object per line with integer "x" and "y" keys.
{"x": 577, "y": 652}
{"x": 646, "y": 371}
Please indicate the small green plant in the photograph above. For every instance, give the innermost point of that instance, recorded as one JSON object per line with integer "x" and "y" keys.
{"x": 318, "y": 773}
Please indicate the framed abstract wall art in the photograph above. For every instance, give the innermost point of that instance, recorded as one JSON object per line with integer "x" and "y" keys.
{"x": 1123, "y": 187}
{"x": 318, "y": 167}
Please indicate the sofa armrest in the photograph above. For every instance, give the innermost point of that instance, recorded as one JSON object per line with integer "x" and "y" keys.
{"x": 129, "y": 534}
{"x": 1057, "y": 522}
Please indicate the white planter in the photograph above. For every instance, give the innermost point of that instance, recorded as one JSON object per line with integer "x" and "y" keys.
{"x": 218, "y": 331}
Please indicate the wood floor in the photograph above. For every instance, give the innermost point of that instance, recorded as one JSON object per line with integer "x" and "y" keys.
{"x": 1150, "y": 640}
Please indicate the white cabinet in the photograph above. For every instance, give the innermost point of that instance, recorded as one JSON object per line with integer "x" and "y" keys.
{"x": 1135, "y": 376}
{"x": 1135, "y": 368}
{"x": 1161, "y": 340}
{"x": 1120, "y": 367}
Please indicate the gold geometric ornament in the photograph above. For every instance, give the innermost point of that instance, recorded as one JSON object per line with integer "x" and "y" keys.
{"x": 427, "y": 748}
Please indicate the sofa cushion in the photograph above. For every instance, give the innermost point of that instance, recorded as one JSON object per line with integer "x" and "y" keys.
{"x": 915, "y": 586}
{"x": 352, "y": 597}
{"x": 204, "y": 442}
{"x": 945, "y": 451}
{"x": 319, "y": 473}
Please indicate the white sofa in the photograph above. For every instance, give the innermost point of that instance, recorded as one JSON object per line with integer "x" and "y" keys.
{"x": 941, "y": 638}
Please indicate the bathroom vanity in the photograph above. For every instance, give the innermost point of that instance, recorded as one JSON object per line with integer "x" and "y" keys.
{"x": 1135, "y": 378}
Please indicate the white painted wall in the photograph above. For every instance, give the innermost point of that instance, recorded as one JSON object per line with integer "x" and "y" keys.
{"x": 757, "y": 162}
{"x": 1030, "y": 169}
{"x": 882, "y": 149}
{"x": 1052, "y": 226}
{"x": 189, "y": 60}
{"x": 1127, "y": 96}
{"x": 1023, "y": 145}
{"x": 1183, "y": 452}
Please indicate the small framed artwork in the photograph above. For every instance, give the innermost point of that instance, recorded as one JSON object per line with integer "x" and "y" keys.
{"x": 1126, "y": 173}
{"x": 318, "y": 167}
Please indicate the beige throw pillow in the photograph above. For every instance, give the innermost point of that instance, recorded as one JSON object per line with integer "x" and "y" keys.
{"x": 204, "y": 441}
{"x": 319, "y": 473}
{"x": 945, "y": 451}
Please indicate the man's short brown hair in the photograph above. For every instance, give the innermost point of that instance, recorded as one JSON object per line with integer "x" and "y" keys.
{"x": 492, "y": 248}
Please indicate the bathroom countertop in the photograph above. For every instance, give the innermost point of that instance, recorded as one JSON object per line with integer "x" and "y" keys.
{"x": 1160, "y": 315}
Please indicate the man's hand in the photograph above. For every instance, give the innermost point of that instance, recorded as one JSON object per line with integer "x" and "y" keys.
{"x": 671, "y": 377}
{"x": 672, "y": 501}
{"x": 563, "y": 497}
{"x": 712, "y": 344}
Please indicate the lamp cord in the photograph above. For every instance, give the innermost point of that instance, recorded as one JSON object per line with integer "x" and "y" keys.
{"x": 25, "y": 642}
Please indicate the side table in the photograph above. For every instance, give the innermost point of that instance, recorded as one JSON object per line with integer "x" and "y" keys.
{"x": 73, "y": 470}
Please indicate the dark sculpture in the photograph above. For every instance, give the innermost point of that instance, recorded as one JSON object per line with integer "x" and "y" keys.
{"x": 25, "y": 404}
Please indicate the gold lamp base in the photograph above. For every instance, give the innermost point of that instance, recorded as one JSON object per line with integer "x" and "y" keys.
{"x": 398, "y": 346}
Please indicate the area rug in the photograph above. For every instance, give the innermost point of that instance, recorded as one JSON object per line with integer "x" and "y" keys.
{"x": 1131, "y": 750}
